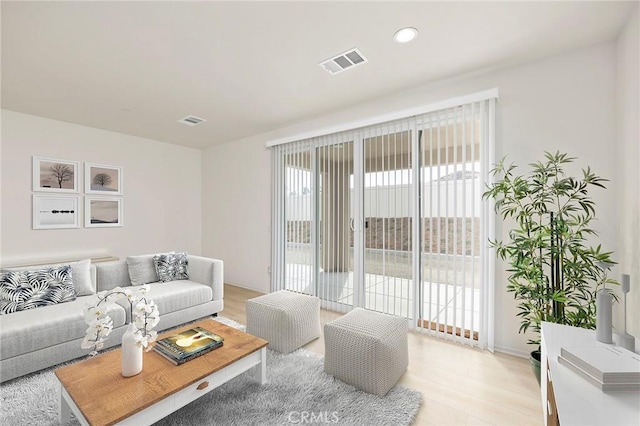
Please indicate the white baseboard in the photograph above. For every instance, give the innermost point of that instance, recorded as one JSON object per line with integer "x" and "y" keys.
{"x": 243, "y": 286}
{"x": 511, "y": 351}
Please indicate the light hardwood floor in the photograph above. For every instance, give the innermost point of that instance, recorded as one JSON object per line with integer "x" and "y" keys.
{"x": 461, "y": 385}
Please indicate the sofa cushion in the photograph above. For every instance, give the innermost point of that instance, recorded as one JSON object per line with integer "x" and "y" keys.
{"x": 171, "y": 266}
{"x": 84, "y": 278}
{"x": 176, "y": 295}
{"x": 47, "y": 326}
{"x": 141, "y": 269}
{"x": 110, "y": 275}
{"x": 22, "y": 290}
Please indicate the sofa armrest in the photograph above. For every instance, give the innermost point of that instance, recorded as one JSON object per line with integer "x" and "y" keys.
{"x": 208, "y": 271}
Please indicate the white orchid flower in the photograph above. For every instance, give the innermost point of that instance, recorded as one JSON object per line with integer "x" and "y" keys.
{"x": 144, "y": 314}
{"x": 87, "y": 343}
{"x": 139, "y": 322}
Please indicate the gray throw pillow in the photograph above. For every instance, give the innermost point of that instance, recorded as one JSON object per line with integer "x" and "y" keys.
{"x": 142, "y": 270}
{"x": 171, "y": 267}
{"x": 22, "y": 290}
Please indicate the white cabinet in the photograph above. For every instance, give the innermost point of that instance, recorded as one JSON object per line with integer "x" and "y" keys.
{"x": 571, "y": 399}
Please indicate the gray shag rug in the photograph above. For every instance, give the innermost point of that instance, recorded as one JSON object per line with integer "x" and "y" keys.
{"x": 298, "y": 391}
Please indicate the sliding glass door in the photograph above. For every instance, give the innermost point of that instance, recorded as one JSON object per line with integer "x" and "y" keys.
{"x": 450, "y": 193}
{"x": 335, "y": 225}
{"x": 390, "y": 218}
{"x": 298, "y": 212}
{"x": 316, "y": 221}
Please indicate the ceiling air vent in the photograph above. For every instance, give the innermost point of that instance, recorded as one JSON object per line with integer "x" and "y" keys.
{"x": 191, "y": 120}
{"x": 343, "y": 61}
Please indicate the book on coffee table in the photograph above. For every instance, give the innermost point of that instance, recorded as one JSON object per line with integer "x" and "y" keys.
{"x": 178, "y": 361}
{"x": 182, "y": 347}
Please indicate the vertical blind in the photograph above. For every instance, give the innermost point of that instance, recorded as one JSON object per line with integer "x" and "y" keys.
{"x": 389, "y": 217}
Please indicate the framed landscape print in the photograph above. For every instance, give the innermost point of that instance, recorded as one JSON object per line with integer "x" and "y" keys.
{"x": 102, "y": 179}
{"x": 102, "y": 212}
{"x": 55, "y": 211}
{"x": 51, "y": 175}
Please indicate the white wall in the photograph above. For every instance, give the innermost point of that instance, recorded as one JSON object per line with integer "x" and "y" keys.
{"x": 236, "y": 217}
{"x": 162, "y": 190}
{"x": 628, "y": 160}
{"x": 564, "y": 103}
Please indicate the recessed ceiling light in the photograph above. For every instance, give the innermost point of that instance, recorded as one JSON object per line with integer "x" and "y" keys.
{"x": 405, "y": 35}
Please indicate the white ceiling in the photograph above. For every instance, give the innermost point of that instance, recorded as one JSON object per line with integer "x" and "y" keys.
{"x": 252, "y": 67}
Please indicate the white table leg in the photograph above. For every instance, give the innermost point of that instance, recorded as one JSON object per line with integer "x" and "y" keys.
{"x": 64, "y": 409}
{"x": 260, "y": 370}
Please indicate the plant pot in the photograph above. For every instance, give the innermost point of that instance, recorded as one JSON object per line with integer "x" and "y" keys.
{"x": 534, "y": 359}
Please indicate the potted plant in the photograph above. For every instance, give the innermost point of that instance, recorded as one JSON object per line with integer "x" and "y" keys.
{"x": 554, "y": 271}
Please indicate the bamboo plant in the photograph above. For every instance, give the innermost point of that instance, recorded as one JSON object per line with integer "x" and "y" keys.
{"x": 554, "y": 272}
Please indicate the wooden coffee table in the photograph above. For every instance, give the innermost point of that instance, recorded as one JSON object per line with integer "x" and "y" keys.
{"x": 96, "y": 392}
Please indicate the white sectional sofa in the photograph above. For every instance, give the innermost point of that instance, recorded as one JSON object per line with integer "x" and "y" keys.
{"x": 33, "y": 339}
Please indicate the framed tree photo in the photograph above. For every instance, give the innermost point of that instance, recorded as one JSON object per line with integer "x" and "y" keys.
{"x": 102, "y": 179}
{"x": 102, "y": 212}
{"x": 55, "y": 211}
{"x": 52, "y": 175}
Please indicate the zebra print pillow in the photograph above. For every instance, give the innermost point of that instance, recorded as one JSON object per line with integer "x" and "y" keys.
{"x": 171, "y": 266}
{"x": 22, "y": 290}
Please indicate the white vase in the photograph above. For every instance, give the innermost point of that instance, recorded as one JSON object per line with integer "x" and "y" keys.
{"x": 131, "y": 353}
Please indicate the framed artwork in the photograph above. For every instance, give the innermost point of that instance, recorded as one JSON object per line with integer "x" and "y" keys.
{"x": 55, "y": 211}
{"x": 102, "y": 179}
{"x": 52, "y": 175}
{"x": 102, "y": 212}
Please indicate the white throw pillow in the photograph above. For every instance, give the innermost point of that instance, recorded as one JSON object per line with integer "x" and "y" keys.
{"x": 82, "y": 281}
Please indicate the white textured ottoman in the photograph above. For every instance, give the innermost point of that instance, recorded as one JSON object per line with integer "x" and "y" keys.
{"x": 287, "y": 320}
{"x": 367, "y": 349}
